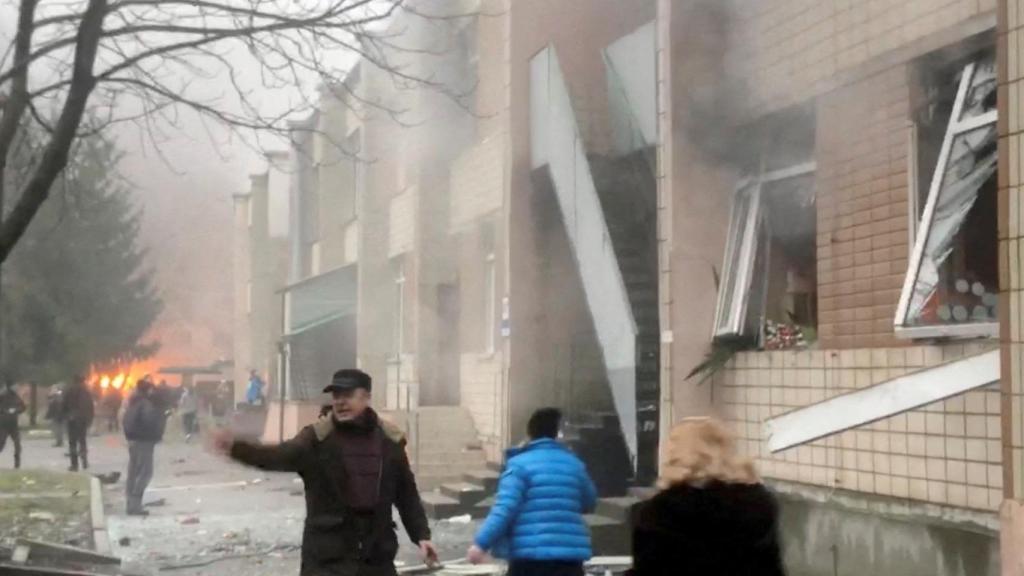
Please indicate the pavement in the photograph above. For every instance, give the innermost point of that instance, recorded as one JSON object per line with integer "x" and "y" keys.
{"x": 209, "y": 515}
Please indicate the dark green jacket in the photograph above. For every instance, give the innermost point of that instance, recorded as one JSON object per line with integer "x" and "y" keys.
{"x": 331, "y": 539}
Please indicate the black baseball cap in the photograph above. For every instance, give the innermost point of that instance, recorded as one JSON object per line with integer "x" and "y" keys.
{"x": 349, "y": 379}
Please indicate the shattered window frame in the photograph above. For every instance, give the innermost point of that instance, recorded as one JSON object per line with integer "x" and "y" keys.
{"x": 960, "y": 125}
{"x": 734, "y": 291}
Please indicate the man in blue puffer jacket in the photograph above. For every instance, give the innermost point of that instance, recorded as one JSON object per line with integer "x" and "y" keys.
{"x": 537, "y": 519}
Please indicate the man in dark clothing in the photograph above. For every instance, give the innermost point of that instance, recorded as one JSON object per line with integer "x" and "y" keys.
{"x": 144, "y": 423}
{"x": 11, "y": 406}
{"x": 354, "y": 468}
{"x": 55, "y": 413}
{"x": 78, "y": 410}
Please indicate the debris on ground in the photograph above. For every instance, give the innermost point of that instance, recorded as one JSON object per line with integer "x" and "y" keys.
{"x": 126, "y": 541}
{"x": 109, "y": 478}
{"x": 38, "y": 557}
{"x": 463, "y": 519}
{"x": 185, "y": 520}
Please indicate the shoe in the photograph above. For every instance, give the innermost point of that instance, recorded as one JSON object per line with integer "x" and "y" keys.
{"x": 137, "y": 513}
{"x": 72, "y": 468}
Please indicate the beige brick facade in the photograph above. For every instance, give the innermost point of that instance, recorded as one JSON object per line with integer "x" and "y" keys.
{"x": 946, "y": 453}
{"x": 862, "y": 202}
{"x": 1011, "y": 229}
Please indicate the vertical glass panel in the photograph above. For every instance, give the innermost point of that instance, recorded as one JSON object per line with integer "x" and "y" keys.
{"x": 739, "y": 229}
{"x": 957, "y": 280}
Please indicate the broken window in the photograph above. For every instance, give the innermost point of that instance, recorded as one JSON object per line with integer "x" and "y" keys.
{"x": 951, "y": 286}
{"x": 768, "y": 290}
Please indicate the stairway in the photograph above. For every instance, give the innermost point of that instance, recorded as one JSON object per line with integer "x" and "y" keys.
{"x": 443, "y": 444}
{"x": 610, "y": 524}
{"x": 628, "y": 193}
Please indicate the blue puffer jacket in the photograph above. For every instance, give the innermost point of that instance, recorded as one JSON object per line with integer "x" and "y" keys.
{"x": 538, "y": 512}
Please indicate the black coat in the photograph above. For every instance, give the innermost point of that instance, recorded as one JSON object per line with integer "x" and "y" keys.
{"x": 78, "y": 406}
{"x": 716, "y": 530}
{"x": 144, "y": 419}
{"x": 11, "y": 405}
{"x": 330, "y": 539}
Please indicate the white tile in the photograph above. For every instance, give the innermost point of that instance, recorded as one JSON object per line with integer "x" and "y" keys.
{"x": 1014, "y": 107}
{"x": 1013, "y": 195}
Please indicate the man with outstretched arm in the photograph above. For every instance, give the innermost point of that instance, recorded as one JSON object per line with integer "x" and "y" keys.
{"x": 354, "y": 468}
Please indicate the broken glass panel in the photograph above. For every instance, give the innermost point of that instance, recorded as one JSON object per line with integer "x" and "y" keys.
{"x": 732, "y": 273}
{"x": 954, "y": 281}
{"x": 981, "y": 93}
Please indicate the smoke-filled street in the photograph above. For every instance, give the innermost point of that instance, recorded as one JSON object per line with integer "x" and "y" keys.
{"x": 208, "y": 515}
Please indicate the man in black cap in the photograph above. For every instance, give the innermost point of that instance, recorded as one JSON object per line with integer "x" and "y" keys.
{"x": 354, "y": 468}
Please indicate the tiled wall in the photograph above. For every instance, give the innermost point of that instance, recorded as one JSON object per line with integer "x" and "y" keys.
{"x": 402, "y": 222}
{"x": 1011, "y": 230}
{"x": 477, "y": 181}
{"x": 791, "y": 48}
{"x": 945, "y": 453}
{"x": 480, "y": 378}
{"x": 862, "y": 202}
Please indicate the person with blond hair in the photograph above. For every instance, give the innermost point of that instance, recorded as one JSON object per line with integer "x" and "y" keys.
{"x": 713, "y": 516}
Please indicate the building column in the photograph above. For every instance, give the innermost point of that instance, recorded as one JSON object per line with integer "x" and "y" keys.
{"x": 1011, "y": 99}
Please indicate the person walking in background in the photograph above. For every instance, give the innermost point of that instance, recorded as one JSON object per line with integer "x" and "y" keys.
{"x": 219, "y": 405}
{"x": 144, "y": 424}
{"x": 112, "y": 399}
{"x": 11, "y": 407}
{"x": 188, "y": 405}
{"x": 254, "y": 393}
{"x": 355, "y": 469}
{"x": 537, "y": 519}
{"x": 713, "y": 516}
{"x": 55, "y": 413}
{"x": 78, "y": 411}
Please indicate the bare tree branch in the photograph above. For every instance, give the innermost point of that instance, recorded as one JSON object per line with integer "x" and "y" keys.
{"x": 55, "y": 157}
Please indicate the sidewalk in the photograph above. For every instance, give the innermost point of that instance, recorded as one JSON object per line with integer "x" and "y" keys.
{"x": 213, "y": 516}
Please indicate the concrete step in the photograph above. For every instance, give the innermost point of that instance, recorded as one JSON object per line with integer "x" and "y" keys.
{"x": 482, "y": 508}
{"x": 618, "y": 508}
{"x": 486, "y": 478}
{"x": 643, "y": 492}
{"x": 609, "y": 537}
{"x": 438, "y": 506}
{"x": 464, "y": 493}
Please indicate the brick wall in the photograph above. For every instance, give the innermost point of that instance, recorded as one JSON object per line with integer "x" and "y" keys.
{"x": 480, "y": 378}
{"x": 477, "y": 182}
{"x": 1011, "y": 232}
{"x": 791, "y": 48}
{"x": 401, "y": 223}
{"x": 862, "y": 202}
{"x": 946, "y": 453}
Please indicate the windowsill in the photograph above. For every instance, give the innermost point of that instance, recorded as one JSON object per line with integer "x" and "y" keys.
{"x": 393, "y": 360}
{"x": 487, "y": 355}
{"x": 952, "y": 331}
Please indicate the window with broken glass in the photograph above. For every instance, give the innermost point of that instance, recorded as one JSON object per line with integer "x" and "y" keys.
{"x": 768, "y": 289}
{"x": 951, "y": 285}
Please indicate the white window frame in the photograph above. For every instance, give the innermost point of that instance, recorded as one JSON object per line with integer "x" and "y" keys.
{"x": 730, "y": 316}
{"x": 956, "y": 128}
{"x": 490, "y": 303}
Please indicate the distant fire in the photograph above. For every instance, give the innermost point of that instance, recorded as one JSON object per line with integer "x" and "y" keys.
{"x": 121, "y": 377}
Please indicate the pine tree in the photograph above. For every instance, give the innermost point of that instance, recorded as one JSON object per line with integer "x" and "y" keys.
{"x": 77, "y": 291}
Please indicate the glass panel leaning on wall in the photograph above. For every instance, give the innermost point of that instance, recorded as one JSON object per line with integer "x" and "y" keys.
{"x": 768, "y": 292}
{"x": 951, "y": 286}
